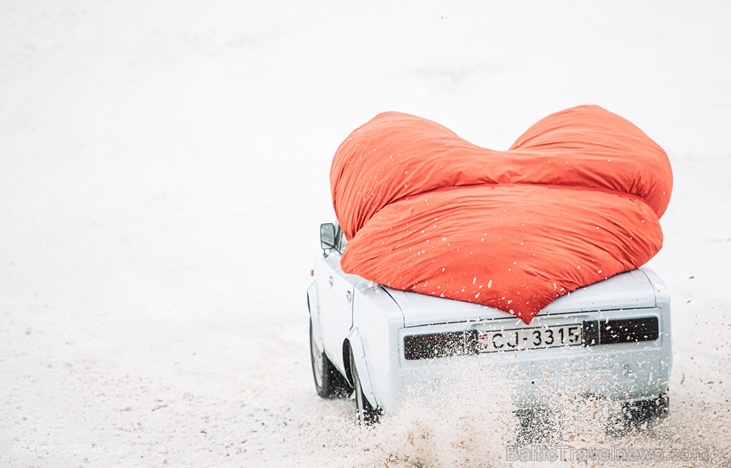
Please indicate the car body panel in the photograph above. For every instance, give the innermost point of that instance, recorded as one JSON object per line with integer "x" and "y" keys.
{"x": 335, "y": 306}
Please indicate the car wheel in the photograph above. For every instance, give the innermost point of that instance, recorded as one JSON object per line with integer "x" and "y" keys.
{"x": 365, "y": 412}
{"x": 643, "y": 411}
{"x": 329, "y": 382}
{"x": 638, "y": 414}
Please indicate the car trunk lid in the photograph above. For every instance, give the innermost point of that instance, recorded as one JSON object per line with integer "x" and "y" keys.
{"x": 631, "y": 290}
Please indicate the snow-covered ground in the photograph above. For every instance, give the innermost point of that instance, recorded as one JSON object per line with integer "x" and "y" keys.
{"x": 164, "y": 167}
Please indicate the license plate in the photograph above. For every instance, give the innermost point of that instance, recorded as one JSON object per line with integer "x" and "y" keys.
{"x": 491, "y": 341}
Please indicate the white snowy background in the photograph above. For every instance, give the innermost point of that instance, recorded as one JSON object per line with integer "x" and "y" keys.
{"x": 164, "y": 167}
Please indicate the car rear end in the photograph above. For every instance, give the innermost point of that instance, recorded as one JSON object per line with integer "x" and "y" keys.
{"x": 608, "y": 341}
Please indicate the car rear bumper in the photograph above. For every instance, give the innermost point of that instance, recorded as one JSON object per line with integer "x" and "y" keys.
{"x": 621, "y": 375}
{"x": 619, "y": 372}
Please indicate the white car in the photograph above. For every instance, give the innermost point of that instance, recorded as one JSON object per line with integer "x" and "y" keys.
{"x": 610, "y": 340}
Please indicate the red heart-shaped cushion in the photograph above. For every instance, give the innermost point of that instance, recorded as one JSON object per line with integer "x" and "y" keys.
{"x": 575, "y": 200}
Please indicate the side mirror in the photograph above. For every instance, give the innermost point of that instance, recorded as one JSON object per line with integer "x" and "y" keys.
{"x": 327, "y": 236}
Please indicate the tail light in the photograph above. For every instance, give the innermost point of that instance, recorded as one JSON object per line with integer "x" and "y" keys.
{"x": 599, "y": 332}
{"x": 437, "y": 345}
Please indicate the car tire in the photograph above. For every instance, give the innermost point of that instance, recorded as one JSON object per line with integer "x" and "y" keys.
{"x": 639, "y": 414}
{"x": 365, "y": 413}
{"x": 329, "y": 382}
{"x": 644, "y": 411}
